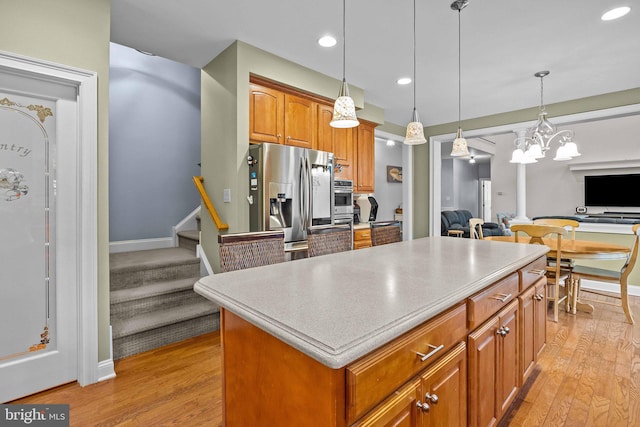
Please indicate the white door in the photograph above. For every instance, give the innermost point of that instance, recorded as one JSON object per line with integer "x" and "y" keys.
{"x": 485, "y": 199}
{"x": 38, "y": 303}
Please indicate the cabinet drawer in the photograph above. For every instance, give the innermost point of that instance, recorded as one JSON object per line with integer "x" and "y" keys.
{"x": 531, "y": 273}
{"x": 378, "y": 374}
{"x": 362, "y": 234}
{"x": 486, "y": 303}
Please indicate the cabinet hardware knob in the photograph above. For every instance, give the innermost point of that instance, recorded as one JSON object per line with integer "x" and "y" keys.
{"x": 423, "y": 406}
{"x": 432, "y": 397}
{"x": 501, "y": 297}
{"x": 424, "y": 357}
{"x": 288, "y": 138}
{"x": 503, "y": 331}
{"x": 540, "y": 297}
{"x": 279, "y": 136}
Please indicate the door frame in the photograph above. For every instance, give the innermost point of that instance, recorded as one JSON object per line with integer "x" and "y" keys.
{"x": 86, "y": 260}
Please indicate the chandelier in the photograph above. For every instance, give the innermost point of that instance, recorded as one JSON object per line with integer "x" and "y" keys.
{"x": 533, "y": 146}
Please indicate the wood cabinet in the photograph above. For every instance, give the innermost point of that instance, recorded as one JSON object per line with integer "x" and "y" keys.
{"x": 282, "y": 115}
{"x": 533, "y": 327}
{"x": 399, "y": 410}
{"x": 443, "y": 372}
{"x": 266, "y": 114}
{"x": 437, "y": 399}
{"x": 338, "y": 141}
{"x": 444, "y": 391}
{"x": 362, "y": 238}
{"x": 493, "y": 367}
{"x": 365, "y": 155}
{"x": 279, "y": 117}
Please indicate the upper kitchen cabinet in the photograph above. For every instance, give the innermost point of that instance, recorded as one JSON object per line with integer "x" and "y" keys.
{"x": 280, "y": 117}
{"x": 338, "y": 141}
{"x": 266, "y": 114}
{"x": 365, "y": 155}
{"x": 299, "y": 121}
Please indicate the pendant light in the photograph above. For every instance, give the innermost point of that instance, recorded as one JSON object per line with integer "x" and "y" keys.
{"x": 415, "y": 131}
{"x": 538, "y": 140}
{"x": 344, "y": 109}
{"x": 459, "y": 144}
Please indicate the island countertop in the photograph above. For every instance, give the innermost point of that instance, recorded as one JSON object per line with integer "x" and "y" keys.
{"x": 337, "y": 308}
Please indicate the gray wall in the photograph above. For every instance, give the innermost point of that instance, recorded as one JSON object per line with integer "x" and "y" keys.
{"x": 154, "y": 144}
{"x": 387, "y": 194}
{"x": 465, "y": 178}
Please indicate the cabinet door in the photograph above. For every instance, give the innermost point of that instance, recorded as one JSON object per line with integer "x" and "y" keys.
{"x": 507, "y": 369}
{"x": 527, "y": 352}
{"x": 299, "y": 121}
{"x": 540, "y": 318}
{"x": 326, "y": 133}
{"x": 266, "y": 114}
{"x": 365, "y": 154}
{"x": 483, "y": 345}
{"x": 399, "y": 410}
{"x": 444, "y": 391}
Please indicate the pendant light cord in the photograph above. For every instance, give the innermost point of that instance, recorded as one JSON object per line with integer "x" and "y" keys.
{"x": 344, "y": 39}
{"x": 414, "y": 54}
{"x": 459, "y": 78}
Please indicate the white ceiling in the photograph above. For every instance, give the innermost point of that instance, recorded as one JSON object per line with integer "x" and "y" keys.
{"x": 504, "y": 42}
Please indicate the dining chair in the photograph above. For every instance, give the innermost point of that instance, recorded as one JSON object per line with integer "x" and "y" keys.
{"x": 327, "y": 239}
{"x": 555, "y": 274}
{"x": 254, "y": 249}
{"x": 384, "y": 232}
{"x": 475, "y": 228}
{"x": 568, "y": 224}
{"x": 612, "y": 276}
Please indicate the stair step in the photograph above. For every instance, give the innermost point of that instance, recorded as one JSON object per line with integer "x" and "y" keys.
{"x": 152, "y": 290}
{"x": 131, "y": 269}
{"x": 157, "y": 319}
{"x": 158, "y": 337}
{"x": 154, "y": 296}
{"x": 189, "y": 239}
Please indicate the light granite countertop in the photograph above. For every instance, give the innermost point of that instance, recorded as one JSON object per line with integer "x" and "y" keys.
{"x": 337, "y": 308}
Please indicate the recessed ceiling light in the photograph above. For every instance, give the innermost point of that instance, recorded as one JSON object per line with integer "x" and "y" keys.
{"x": 390, "y": 143}
{"x": 327, "y": 41}
{"x": 616, "y": 13}
{"x": 404, "y": 81}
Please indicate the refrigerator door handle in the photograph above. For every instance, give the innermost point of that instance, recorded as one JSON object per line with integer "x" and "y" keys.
{"x": 301, "y": 193}
{"x": 309, "y": 194}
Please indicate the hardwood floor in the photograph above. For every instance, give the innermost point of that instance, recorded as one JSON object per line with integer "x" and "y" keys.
{"x": 588, "y": 375}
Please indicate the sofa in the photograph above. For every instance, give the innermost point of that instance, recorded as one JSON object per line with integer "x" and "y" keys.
{"x": 459, "y": 220}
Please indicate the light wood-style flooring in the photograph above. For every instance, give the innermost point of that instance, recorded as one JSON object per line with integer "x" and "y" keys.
{"x": 589, "y": 375}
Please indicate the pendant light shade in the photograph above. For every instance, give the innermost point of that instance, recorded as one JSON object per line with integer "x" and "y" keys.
{"x": 459, "y": 144}
{"x": 415, "y": 131}
{"x": 460, "y": 148}
{"x": 344, "y": 109}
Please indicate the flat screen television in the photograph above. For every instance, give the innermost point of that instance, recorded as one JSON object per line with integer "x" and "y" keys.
{"x": 612, "y": 190}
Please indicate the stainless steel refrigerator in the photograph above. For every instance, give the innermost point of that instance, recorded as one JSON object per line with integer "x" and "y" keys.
{"x": 290, "y": 189}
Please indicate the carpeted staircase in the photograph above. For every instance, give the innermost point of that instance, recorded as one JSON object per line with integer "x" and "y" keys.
{"x": 152, "y": 298}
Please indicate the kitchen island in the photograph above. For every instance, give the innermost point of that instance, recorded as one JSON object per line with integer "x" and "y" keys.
{"x": 317, "y": 341}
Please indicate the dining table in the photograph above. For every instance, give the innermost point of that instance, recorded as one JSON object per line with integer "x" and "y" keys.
{"x": 574, "y": 250}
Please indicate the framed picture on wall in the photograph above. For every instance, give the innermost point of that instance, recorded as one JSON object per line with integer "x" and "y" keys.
{"x": 394, "y": 173}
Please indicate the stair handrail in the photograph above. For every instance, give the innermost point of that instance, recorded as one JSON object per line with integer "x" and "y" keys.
{"x": 198, "y": 180}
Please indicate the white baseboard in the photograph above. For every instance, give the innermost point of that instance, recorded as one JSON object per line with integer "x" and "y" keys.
{"x": 106, "y": 370}
{"x": 608, "y": 287}
{"x": 140, "y": 245}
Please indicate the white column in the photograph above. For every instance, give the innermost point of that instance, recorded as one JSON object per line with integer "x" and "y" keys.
{"x": 521, "y": 186}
